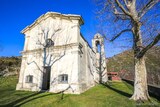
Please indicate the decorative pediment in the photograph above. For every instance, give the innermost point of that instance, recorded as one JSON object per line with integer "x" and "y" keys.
{"x": 54, "y": 15}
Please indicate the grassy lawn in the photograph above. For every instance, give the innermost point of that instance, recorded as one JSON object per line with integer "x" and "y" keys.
{"x": 115, "y": 95}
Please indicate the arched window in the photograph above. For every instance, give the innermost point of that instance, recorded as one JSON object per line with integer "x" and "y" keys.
{"x": 63, "y": 78}
{"x": 29, "y": 79}
{"x": 98, "y": 47}
{"x": 49, "y": 42}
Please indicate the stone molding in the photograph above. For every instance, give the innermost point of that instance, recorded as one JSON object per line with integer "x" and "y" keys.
{"x": 53, "y": 14}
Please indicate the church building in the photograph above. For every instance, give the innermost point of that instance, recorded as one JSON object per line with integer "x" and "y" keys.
{"x": 56, "y": 57}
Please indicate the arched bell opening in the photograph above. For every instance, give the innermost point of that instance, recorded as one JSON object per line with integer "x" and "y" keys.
{"x": 98, "y": 46}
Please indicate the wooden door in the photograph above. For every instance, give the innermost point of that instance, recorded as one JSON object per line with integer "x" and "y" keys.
{"x": 46, "y": 78}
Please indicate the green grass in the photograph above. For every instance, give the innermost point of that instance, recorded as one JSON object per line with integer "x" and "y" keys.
{"x": 115, "y": 95}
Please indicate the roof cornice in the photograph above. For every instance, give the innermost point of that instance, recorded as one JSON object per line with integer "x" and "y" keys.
{"x": 53, "y": 14}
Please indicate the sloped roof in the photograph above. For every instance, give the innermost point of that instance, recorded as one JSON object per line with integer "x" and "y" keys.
{"x": 53, "y": 14}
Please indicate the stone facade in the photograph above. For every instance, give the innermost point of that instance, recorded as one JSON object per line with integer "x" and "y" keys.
{"x": 57, "y": 58}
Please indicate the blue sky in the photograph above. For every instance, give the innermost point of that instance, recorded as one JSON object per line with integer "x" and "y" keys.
{"x": 17, "y": 14}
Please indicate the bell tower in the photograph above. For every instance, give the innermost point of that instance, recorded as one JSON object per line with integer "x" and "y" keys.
{"x": 98, "y": 48}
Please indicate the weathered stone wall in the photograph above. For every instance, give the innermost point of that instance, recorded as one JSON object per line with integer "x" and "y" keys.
{"x": 68, "y": 64}
{"x": 86, "y": 64}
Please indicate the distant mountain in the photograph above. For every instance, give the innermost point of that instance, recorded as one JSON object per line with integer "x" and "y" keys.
{"x": 124, "y": 63}
{"x": 9, "y": 65}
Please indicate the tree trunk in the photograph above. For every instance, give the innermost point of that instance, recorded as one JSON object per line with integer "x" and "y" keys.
{"x": 140, "y": 82}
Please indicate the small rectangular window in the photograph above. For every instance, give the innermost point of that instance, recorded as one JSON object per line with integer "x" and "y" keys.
{"x": 63, "y": 78}
{"x": 29, "y": 79}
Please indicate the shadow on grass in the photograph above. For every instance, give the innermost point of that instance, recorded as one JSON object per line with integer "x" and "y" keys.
{"x": 16, "y": 103}
{"x": 118, "y": 91}
{"x": 26, "y": 99}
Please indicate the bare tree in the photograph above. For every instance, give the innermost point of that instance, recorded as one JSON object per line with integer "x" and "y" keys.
{"x": 137, "y": 18}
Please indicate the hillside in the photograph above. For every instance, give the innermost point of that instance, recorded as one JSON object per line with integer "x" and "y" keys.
{"x": 9, "y": 65}
{"x": 124, "y": 62}
{"x": 116, "y": 94}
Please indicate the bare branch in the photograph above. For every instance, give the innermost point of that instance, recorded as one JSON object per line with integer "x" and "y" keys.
{"x": 121, "y": 17}
{"x": 144, "y": 50}
{"x": 35, "y": 64}
{"x": 122, "y": 8}
{"x": 55, "y": 31}
{"x": 102, "y": 11}
{"x": 125, "y": 2}
{"x": 147, "y": 7}
{"x": 40, "y": 43}
{"x": 115, "y": 11}
{"x": 123, "y": 31}
{"x": 43, "y": 33}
